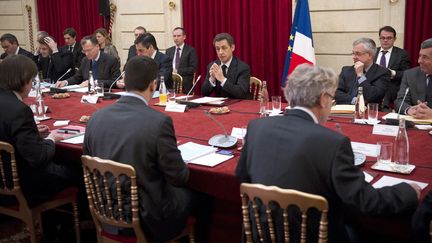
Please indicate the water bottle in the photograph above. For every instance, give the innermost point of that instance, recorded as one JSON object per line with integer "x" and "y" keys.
{"x": 264, "y": 100}
{"x": 91, "y": 83}
{"x": 360, "y": 106}
{"x": 162, "y": 92}
{"x": 401, "y": 147}
{"x": 40, "y": 106}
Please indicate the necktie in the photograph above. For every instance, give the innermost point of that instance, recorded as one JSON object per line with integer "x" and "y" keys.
{"x": 71, "y": 48}
{"x": 383, "y": 59}
{"x": 224, "y": 68}
{"x": 177, "y": 58}
{"x": 94, "y": 69}
{"x": 429, "y": 90}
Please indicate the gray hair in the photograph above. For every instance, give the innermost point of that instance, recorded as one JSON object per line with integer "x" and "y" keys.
{"x": 306, "y": 83}
{"x": 368, "y": 44}
{"x": 426, "y": 44}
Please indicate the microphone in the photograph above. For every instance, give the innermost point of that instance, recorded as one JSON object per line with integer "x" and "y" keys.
{"x": 190, "y": 104}
{"x": 193, "y": 86}
{"x": 68, "y": 71}
{"x": 395, "y": 122}
{"x": 403, "y": 100}
{"x": 53, "y": 89}
{"x": 108, "y": 95}
{"x": 221, "y": 140}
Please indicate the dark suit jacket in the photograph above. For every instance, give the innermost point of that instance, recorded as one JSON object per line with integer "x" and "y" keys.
{"x": 374, "y": 87}
{"x": 60, "y": 62}
{"x": 398, "y": 62}
{"x": 415, "y": 80}
{"x": 422, "y": 218}
{"x": 188, "y": 64}
{"x": 108, "y": 70}
{"x": 165, "y": 67}
{"x": 236, "y": 85}
{"x": 33, "y": 154}
{"x": 131, "y": 52}
{"x": 21, "y": 51}
{"x": 293, "y": 152}
{"x": 77, "y": 53}
{"x": 145, "y": 139}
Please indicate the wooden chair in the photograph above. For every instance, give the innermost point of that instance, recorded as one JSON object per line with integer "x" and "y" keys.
{"x": 10, "y": 186}
{"x": 107, "y": 205}
{"x": 255, "y": 86}
{"x": 284, "y": 198}
{"x": 177, "y": 83}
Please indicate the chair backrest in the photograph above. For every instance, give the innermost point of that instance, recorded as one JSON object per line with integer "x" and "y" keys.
{"x": 284, "y": 198}
{"x": 255, "y": 86}
{"x": 177, "y": 83}
{"x": 108, "y": 193}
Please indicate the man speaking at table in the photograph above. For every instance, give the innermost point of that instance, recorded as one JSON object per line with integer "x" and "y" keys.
{"x": 228, "y": 76}
{"x": 295, "y": 152}
{"x": 145, "y": 139}
{"x": 105, "y": 68}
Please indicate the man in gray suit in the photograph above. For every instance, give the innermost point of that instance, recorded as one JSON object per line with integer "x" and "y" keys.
{"x": 418, "y": 101}
{"x": 145, "y": 139}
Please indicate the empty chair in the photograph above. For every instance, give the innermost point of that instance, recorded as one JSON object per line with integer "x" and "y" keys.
{"x": 259, "y": 196}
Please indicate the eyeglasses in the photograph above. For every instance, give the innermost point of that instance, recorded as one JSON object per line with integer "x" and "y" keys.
{"x": 332, "y": 97}
{"x": 386, "y": 38}
{"x": 358, "y": 53}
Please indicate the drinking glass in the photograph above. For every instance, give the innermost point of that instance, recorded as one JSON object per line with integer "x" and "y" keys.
{"x": 99, "y": 88}
{"x": 171, "y": 96}
{"x": 373, "y": 113}
{"x": 385, "y": 150}
{"x": 276, "y": 104}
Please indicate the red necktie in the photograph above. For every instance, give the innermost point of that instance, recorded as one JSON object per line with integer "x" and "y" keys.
{"x": 177, "y": 58}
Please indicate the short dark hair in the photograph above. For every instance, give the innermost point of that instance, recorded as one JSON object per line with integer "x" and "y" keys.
{"x": 426, "y": 44}
{"x": 91, "y": 38}
{"x": 42, "y": 39}
{"x": 146, "y": 40}
{"x": 180, "y": 28}
{"x": 224, "y": 36}
{"x": 16, "y": 71}
{"x": 140, "y": 28}
{"x": 387, "y": 29}
{"x": 140, "y": 71}
{"x": 10, "y": 38}
{"x": 70, "y": 31}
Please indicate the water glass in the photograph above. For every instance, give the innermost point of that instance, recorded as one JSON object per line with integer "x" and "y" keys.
{"x": 99, "y": 88}
{"x": 373, "y": 113}
{"x": 241, "y": 139}
{"x": 276, "y": 104}
{"x": 385, "y": 150}
{"x": 171, "y": 96}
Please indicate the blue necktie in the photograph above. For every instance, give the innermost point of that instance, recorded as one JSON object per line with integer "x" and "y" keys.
{"x": 95, "y": 69}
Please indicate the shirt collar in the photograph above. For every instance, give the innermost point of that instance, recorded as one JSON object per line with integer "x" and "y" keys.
{"x": 311, "y": 114}
{"x": 388, "y": 51}
{"x": 17, "y": 95}
{"x": 227, "y": 64}
{"x": 17, "y": 50}
{"x": 131, "y": 94}
{"x": 181, "y": 47}
{"x": 154, "y": 54}
{"x": 97, "y": 57}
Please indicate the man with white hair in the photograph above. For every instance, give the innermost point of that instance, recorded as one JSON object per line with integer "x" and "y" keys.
{"x": 295, "y": 152}
{"x": 364, "y": 73}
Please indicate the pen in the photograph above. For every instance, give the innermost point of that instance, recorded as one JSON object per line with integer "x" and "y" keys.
{"x": 65, "y": 130}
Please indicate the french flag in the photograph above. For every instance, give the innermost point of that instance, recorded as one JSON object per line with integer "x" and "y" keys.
{"x": 300, "y": 44}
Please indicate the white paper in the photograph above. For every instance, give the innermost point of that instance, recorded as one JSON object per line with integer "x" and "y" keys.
{"x": 211, "y": 160}
{"x": 386, "y": 130}
{"x": 32, "y": 93}
{"x": 368, "y": 178}
{"x": 74, "y": 140}
{"x": 183, "y": 97}
{"x": 61, "y": 123}
{"x": 424, "y": 127}
{"x": 155, "y": 94}
{"x": 71, "y": 87}
{"x": 121, "y": 92}
{"x": 190, "y": 150}
{"x": 174, "y": 107}
{"x": 365, "y": 148}
{"x": 212, "y": 100}
{"x": 92, "y": 99}
{"x": 238, "y": 133}
{"x": 80, "y": 90}
{"x": 390, "y": 181}
{"x": 366, "y": 121}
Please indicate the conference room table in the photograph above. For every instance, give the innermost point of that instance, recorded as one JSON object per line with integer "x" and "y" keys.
{"x": 220, "y": 183}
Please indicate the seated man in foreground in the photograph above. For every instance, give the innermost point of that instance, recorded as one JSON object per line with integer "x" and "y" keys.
{"x": 295, "y": 152}
{"x": 418, "y": 101}
{"x": 145, "y": 139}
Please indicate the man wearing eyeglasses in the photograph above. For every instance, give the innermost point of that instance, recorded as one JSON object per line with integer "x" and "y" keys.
{"x": 364, "y": 73}
{"x": 394, "y": 59}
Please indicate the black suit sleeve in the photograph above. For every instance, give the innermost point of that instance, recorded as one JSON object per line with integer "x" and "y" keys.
{"x": 342, "y": 95}
{"x": 191, "y": 64}
{"x": 422, "y": 218}
{"x": 403, "y": 65}
{"x": 169, "y": 158}
{"x": 239, "y": 88}
{"x": 79, "y": 74}
{"x": 165, "y": 70}
{"x": 241, "y": 171}
{"x": 114, "y": 71}
{"x": 398, "y": 102}
{"x": 375, "y": 89}
{"x": 62, "y": 61}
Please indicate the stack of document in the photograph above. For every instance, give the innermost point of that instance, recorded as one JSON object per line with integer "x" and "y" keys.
{"x": 407, "y": 118}
{"x": 209, "y": 100}
{"x": 195, "y": 153}
{"x": 343, "y": 111}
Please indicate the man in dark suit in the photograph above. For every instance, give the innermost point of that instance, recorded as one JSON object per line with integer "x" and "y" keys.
{"x": 364, "y": 73}
{"x": 69, "y": 35}
{"x": 418, "y": 101}
{"x": 105, "y": 68}
{"x": 132, "y": 49}
{"x": 422, "y": 218}
{"x": 145, "y": 139}
{"x": 33, "y": 153}
{"x": 53, "y": 63}
{"x": 146, "y": 46}
{"x": 184, "y": 58}
{"x": 394, "y": 59}
{"x": 10, "y": 46}
{"x": 228, "y": 76}
{"x": 295, "y": 152}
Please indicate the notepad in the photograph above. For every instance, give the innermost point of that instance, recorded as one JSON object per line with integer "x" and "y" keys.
{"x": 390, "y": 181}
{"x": 211, "y": 160}
{"x": 191, "y": 151}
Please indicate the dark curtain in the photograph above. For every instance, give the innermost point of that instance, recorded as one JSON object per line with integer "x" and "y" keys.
{"x": 418, "y": 26}
{"x": 261, "y": 29}
{"x": 57, "y": 15}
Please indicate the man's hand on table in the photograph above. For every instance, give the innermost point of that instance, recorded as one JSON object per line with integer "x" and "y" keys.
{"x": 416, "y": 188}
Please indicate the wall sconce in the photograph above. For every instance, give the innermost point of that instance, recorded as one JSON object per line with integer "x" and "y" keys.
{"x": 172, "y": 5}
{"x": 393, "y": 1}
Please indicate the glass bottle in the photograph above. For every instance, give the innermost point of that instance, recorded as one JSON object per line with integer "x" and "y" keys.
{"x": 401, "y": 147}
{"x": 40, "y": 106}
{"x": 162, "y": 92}
{"x": 264, "y": 100}
{"x": 91, "y": 83}
{"x": 360, "y": 106}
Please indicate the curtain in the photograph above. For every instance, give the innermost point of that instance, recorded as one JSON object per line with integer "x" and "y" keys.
{"x": 261, "y": 29}
{"x": 57, "y": 15}
{"x": 418, "y": 26}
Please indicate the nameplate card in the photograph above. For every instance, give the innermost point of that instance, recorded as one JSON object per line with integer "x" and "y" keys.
{"x": 365, "y": 148}
{"x": 386, "y": 130}
{"x": 92, "y": 99}
{"x": 174, "y": 107}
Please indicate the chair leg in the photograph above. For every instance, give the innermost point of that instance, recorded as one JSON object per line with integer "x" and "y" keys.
{"x": 192, "y": 235}
{"x": 35, "y": 228}
{"x": 76, "y": 221}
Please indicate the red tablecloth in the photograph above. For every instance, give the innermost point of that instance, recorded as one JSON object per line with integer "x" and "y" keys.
{"x": 219, "y": 181}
